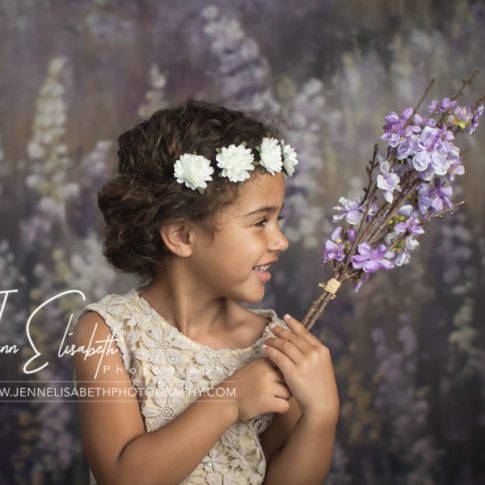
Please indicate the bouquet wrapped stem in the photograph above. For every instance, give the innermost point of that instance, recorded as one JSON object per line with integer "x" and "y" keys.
{"x": 407, "y": 188}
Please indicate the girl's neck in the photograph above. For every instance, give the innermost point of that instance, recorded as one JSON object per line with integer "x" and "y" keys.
{"x": 189, "y": 310}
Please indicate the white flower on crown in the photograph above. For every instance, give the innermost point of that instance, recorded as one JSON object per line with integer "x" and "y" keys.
{"x": 289, "y": 159}
{"x": 270, "y": 155}
{"x": 194, "y": 171}
{"x": 236, "y": 162}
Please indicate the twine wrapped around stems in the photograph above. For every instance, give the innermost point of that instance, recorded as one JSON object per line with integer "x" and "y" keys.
{"x": 330, "y": 292}
{"x": 332, "y": 286}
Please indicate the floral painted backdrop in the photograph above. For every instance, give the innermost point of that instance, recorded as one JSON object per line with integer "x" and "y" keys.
{"x": 409, "y": 348}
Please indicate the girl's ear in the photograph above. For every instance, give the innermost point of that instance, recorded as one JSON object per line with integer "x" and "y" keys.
{"x": 178, "y": 237}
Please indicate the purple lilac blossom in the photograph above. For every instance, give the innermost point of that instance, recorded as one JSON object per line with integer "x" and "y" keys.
{"x": 442, "y": 192}
{"x": 351, "y": 233}
{"x": 456, "y": 167}
{"x": 362, "y": 280}
{"x": 409, "y": 146}
{"x": 454, "y": 153}
{"x": 396, "y": 127}
{"x": 352, "y": 210}
{"x": 371, "y": 260}
{"x": 402, "y": 169}
{"x": 431, "y": 153}
{"x": 403, "y": 257}
{"x": 445, "y": 105}
{"x": 445, "y": 137}
{"x": 419, "y": 120}
{"x": 334, "y": 247}
{"x": 476, "y": 116}
{"x": 411, "y": 225}
{"x": 427, "y": 175}
{"x": 432, "y": 146}
{"x": 387, "y": 181}
{"x": 390, "y": 237}
{"x": 461, "y": 116}
{"x": 405, "y": 210}
{"x": 433, "y": 150}
{"x": 434, "y": 196}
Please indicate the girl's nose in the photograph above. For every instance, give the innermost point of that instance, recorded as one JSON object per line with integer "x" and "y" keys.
{"x": 280, "y": 243}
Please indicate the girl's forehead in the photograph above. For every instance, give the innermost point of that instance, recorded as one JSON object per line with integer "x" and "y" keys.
{"x": 264, "y": 192}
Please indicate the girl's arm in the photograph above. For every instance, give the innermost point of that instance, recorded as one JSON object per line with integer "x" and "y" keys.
{"x": 276, "y": 435}
{"x": 307, "y": 367}
{"x": 307, "y": 455}
{"x": 117, "y": 448}
{"x": 295, "y": 453}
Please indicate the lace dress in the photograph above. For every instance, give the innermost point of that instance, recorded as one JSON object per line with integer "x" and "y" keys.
{"x": 159, "y": 356}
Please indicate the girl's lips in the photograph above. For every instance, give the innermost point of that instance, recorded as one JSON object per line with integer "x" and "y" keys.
{"x": 263, "y": 276}
{"x": 273, "y": 261}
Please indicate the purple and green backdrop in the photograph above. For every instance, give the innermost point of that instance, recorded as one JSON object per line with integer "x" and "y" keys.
{"x": 408, "y": 349}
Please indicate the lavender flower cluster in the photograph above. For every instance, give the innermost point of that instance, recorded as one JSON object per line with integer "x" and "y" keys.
{"x": 415, "y": 181}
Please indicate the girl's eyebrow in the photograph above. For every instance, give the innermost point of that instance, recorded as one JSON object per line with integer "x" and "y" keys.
{"x": 267, "y": 208}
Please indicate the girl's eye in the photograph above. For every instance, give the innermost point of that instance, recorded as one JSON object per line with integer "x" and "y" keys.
{"x": 262, "y": 222}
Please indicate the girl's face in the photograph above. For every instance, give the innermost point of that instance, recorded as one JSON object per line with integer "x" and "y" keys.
{"x": 250, "y": 236}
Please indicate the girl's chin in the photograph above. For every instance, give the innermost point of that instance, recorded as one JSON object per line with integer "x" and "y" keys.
{"x": 252, "y": 301}
{"x": 253, "y": 296}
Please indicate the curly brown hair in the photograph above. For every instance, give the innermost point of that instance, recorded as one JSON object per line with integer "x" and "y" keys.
{"x": 143, "y": 194}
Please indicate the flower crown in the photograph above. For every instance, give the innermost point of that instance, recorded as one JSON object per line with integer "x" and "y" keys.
{"x": 236, "y": 162}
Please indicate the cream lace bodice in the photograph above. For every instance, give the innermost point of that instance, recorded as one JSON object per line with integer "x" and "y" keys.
{"x": 160, "y": 358}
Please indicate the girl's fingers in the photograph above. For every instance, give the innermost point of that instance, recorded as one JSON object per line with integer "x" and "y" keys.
{"x": 297, "y": 333}
{"x": 290, "y": 347}
{"x": 283, "y": 392}
{"x": 296, "y": 339}
{"x": 286, "y": 348}
{"x": 299, "y": 329}
{"x": 284, "y": 363}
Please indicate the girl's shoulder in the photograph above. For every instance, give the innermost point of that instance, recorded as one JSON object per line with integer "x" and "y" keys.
{"x": 114, "y": 304}
{"x": 117, "y": 312}
{"x": 260, "y": 320}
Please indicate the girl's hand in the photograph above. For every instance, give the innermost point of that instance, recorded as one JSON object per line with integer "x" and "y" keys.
{"x": 307, "y": 367}
{"x": 259, "y": 387}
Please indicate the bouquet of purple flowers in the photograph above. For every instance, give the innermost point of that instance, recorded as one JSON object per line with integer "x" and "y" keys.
{"x": 409, "y": 186}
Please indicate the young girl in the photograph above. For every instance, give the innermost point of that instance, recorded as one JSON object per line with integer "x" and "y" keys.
{"x": 193, "y": 387}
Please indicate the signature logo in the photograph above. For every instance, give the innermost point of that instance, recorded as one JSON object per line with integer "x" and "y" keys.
{"x": 37, "y": 362}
